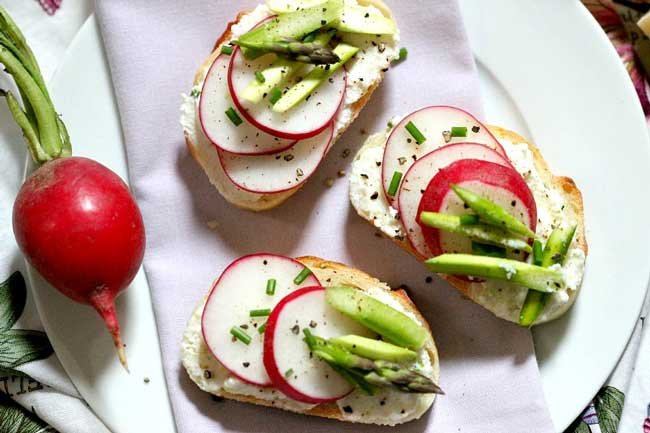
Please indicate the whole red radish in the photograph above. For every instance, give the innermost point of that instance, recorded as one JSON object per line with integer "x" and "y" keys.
{"x": 74, "y": 219}
{"x": 79, "y": 226}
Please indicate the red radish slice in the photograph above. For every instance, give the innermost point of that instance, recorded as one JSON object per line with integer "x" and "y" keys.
{"x": 402, "y": 150}
{"x": 244, "y": 139}
{"x": 292, "y": 370}
{"x": 501, "y": 184}
{"x": 268, "y": 174}
{"x": 416, "y": 180}
{"x": 240, "y": 289}
{"x": 307, "y": 119}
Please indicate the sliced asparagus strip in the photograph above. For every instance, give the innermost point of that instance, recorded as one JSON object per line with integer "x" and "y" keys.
{"x": 304, "y": 52}
{"x": 375, "y": 372}
{"x": 388, "y": 322}
{"x": 555, "y": 251}
{"x": 476, "y": 232}
{"x": 481, "y": 249}
{"x": 492, "y": 213}
{"x": 279, "y": 72}
{"x": 295, "y": 25}
{"x": 524, "y": 274}
{"x": 364, "y": 19}
{"x": 374, "y": 349}
{"x": 314, "y": 78}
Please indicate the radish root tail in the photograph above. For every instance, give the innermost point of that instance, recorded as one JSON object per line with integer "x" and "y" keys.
{"x": 105, "y": 306}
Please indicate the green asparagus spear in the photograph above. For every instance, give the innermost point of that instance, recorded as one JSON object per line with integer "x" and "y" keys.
{"x": 492, "y": 213}
{"x": 476, "y": 232}
{"x": 388, "y": 322}
{"x": 279, "y": 72}
{"x": 521, "y": 273}
{"x": 295, "y": 25}
{"x": 314, "y": 78}
{"x": 555, "y": 251}
{"x": 375, "y": 372}
{"x": 304, "y": 52}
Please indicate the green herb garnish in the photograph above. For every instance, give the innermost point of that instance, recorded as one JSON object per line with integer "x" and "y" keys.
{"x": 240, "y": 335}
{"x": 262, "y": 328}
{"x": 394, "y": 183}
{"x": 459, "y": 131}
{"x": 275, "y": 95}
{"x": 263, "y": 312}
{"x": 260, "y": 77}
{"x": 233, "y": 116}
{"x": 415, "y": 133}
{"x": 270, "y": 287}
{"x": 302, "y": 276}
{"x": 288, "y": 373}
{"x": 227, "y": 49}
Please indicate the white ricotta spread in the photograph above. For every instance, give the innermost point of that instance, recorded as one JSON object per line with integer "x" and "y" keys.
{"x": 501, "y": 297}
{"x": 363, "y": 71}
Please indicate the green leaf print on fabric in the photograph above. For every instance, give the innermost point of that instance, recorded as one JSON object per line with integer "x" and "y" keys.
{"x": 13, "y": 296}
{"x": 15, "y": 419}
{"x": 18, "y": 346}
{"x": 609, "y": 406}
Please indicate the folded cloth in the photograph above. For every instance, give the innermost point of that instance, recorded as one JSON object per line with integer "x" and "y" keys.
{"x": 488, "y": 366}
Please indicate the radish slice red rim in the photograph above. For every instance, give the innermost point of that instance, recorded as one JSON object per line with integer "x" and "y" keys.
{"x": 402, "y": 150}
{"x": 215, "y": 100}
{"x": 288, "y": 363}
{"x": 307, "y": 119}
{"x": 417, "y": 178}
{"x": 269, "y": 174}
{"x": 503, "y": 185}
{"x": 240, "y": 289}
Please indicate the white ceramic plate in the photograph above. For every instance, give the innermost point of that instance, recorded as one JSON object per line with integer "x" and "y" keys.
{"x": 547, "y": 71}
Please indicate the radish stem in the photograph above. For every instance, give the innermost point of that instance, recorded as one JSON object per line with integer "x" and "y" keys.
{"x": 29, "y": 133}
{"x": 45, "y": 115}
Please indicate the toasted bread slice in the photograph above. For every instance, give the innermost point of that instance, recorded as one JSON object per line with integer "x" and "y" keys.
{"x": 204, "y": 151}
{"x": 509, "y": 305}
{"x": 403, "y": 407}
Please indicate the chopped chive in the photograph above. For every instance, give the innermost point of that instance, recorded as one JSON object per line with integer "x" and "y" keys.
{"x": 260, "y": 77}
{"x": 275, "y": 95}
{"x": 394, "y": 183}
{"x": 459, "y": 131}
{"x": 195, "y": 93}
{"x": 468, "y": 219}
{"x": 403, "y": 54}
{"x": 262, "y": 328}
{"x": 302, "y": 276}
{"x": 288, "y": 373}
{"x": 390, "y": 124}
{"x": 415, "y": 133}
{"x": 538, "y": 252}
{"x": 310, "y": 37}
{"x": 226, "y": 49}
{"x": 488, "y": 250}
{"x": 270, "y": 287}
{"x": 240, "y": 335}
{"x": 263, "y": 312}
{"x": 233, "y": 116}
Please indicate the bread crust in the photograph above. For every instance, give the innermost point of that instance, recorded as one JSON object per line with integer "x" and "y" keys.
{"x": 254, "y": 201}
{"x": 335, "y": 273}
{"x": 575, "y": 208}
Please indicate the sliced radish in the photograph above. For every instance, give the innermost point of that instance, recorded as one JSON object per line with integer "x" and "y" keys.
{"x": 244, "y": 139}
{"x": 501, "y": 184}
{"x": 417, "y": 178}
{"x": 307, "y": 119}
{"x": 270, "y": 174}
{"x": 240, "y": 289}
{"x": 291, "y": 368}
{"x": 402, "y": 150}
